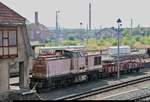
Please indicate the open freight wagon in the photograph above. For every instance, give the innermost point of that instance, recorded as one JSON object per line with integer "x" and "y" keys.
{"x": 127, "y": 64}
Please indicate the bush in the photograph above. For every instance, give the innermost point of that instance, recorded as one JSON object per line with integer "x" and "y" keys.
{"x": 93, "y": 43}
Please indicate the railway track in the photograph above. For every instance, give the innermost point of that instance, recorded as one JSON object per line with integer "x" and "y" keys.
{"x": 103, "y": 89}
{"x": 142, "y": 98}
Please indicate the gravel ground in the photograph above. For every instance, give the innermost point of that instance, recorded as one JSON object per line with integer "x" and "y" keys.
{"x": 124, "y": 93}
{"x": 90, "y": 85}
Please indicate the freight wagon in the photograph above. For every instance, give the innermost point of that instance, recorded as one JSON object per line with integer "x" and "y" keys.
{"x": 128, "y": 64}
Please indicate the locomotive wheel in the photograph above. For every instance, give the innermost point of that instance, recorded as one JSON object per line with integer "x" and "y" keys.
{"x": 138, "y": 70}
{"x": 107, "y": 75}
{"x": 131, "y": 70}
{"x": 100, "y": 75}
{"x": 63, "y": 83}
{"x": 95, "y": 77}
{"x": 110, "y": 74}
{"x": 89, "y": 77}
{"x": 57, "y": 83}
{"x": 128, "y": 71}
{"x": 92, "y": 77}
{"x": 70, "y": 81}
{"x": 124, "y": 72}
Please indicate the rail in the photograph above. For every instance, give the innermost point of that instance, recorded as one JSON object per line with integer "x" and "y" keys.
{"x": 143, "y": 97}
{"x": 103, "y": 89}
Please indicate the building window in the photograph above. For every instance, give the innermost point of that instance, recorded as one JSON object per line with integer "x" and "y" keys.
{"x": 12, "y": 38}
{"x": 8, "y": 43}
{"x": 97, "y": 60}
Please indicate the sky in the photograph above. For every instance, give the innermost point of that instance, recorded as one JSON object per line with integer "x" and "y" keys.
{"x": 72, "y": 12}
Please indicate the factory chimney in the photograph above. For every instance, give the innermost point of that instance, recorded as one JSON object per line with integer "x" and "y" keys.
{"x": 89, "y": 16}
{"x": 36, "y": 18}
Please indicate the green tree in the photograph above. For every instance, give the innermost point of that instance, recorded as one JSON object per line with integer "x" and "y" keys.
{"x": 71, "y": 38}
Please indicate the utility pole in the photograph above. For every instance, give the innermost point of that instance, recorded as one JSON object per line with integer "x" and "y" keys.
{"x": 89, "y": 16}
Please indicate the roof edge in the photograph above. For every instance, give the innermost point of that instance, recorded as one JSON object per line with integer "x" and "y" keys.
{"x": 13, "y": 11}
